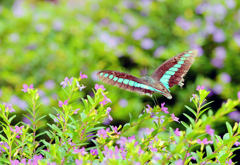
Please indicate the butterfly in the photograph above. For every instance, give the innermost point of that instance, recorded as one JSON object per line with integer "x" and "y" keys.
{"x": 170, "y": 73}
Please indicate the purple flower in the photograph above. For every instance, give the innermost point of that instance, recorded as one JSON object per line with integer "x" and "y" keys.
{"x": 123, "y": 102}
{"x": 175, "y": 118}
{"x": 82, "y": 151}
{"x": 108, "y": 113}
{"x": 94, "y": 151}
{"x": 75, "y": 112}
{"x": 235, "y": 115}
{"x": 115, "y": 130}
{"x": 198, "y": 47}
{"x": 140, "y": 32}
{"x": 78, "y": 162}
{"x": 60, "y": 103}
{"x": 50, "y": 84}
{"x": 14, "y": 162}
{"x": 25, "y": 87}
{"x": 226, "y": 78}
{"x": 3, "y": 146}
{"x": 193, "y": 97}
{"x": 106, "y": 100}
{"x": 204, "y": 141}
{"x": 238, "y": 95}
{"x": 218, "y": 36}
{"x": 17, "y": 130}
{"x": 164, "y": 109}
{"x": 179, "y": 162}
{"x": 8, "y": 107}
{"x": 237, "y": 143}
{"x": 99, "y": 87}
{"x": 148, "y": 109}
{"x": 65, "y": 82}
{"x": 209, "y": 130}
{"x": 103, "y": 133}
{"x": 200, "y": 87}
{"x": 237, "y": 39}
{"x": 122, "y": 141}
{"x": 177, "y": 132}
{"x": 147, "y": 43}
{"x": 183, "y": 24}
{"x": 83, "y": 75}
{"x": 158, "y": 52}
{"x": 229, "y": 162}
{"x": 145, "y": 131}
{"x": 218, "y": 89}
{"x": 230, "y": 4}
{"x": 220, "y": 52}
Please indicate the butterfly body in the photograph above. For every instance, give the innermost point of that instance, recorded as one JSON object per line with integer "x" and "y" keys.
{"x": 170, "y": 73}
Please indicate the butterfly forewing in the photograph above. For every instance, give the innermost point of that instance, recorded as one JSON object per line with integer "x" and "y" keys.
{"x": 125, "y": 81}
{"x": 172, "y": 71}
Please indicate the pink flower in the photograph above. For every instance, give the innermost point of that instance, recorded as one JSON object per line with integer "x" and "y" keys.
{"x": 175, "y": 118}
{"x": 99, "y": 87}
{"x": 177, "y": 132}
{"x": 65, "y": 82}
{"x": 106, "y": 100}
{"x": 238, "y": 95}
{"x": 83, "y": 75}
{"x": 200, "y": 87}
{"x": 204, "y": 141}
{"x": 164, "y": 109}
{"x": 108, "y": 113}
{"x": 209, "y": 130}
{"x": 60, "y": 103}
{"x": 25, "y": 87}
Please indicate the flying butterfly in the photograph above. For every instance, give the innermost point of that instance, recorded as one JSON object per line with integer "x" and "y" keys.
{"x": 170, "y": 73}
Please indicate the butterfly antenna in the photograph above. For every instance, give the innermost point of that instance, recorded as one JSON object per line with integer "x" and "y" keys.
{"x": 156, "y": 100}
{"x": 145, "y": 71}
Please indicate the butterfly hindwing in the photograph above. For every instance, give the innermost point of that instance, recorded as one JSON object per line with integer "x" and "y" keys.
{"x": 172, "y": 71}
{"x": 125, "y": 81}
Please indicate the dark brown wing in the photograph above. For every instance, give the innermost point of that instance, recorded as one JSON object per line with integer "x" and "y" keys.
{"x": 172, "y": 71}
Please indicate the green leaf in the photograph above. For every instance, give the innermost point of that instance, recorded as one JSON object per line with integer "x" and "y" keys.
{"x": 209, "y": 150}
{"x": 10, "y": 120}
{"x": 202, "y": 111}
{"x": 154, "y": 133}
{"x": 190, "y": 109}
{"x": 141, "y": 117}
{"x": 83, "y": 116}
{"x": 229, "y": 128}
{"x": 125, "y": 127}
{"x": 190, "y": 119}
{"x": 206, "y": 104}
{"x": 131, "y": 119}
{"x": 90, "y": 99}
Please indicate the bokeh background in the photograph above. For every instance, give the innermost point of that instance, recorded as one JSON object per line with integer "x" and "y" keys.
{"x": 42, "y": 42}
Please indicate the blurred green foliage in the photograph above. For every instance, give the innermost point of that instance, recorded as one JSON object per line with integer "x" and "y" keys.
{"x": 42, "y": 41}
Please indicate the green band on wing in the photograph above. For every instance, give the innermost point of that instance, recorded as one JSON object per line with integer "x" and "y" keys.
{"x": 115, "y": 78}
{"x": 137, "y": 84}
{"x": 131, "y": 83}
{"x": 173, "y": 69}
{"x": 125, "y": 81}
{"x": 180, "y": 62}
{"x": 190, "y": 51}
{"x": 183, "y": 58}
{"x": 101, "y": 74}
{"x": 105, "y": 75}
{"x": 186, "y": 55}
{"x": 120, "y": 80}
{"x": 177, "y": 65}
{"x": 111, "y": 76}
{"x": 166, "y": 76}
{"x": 170, "y": 72}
